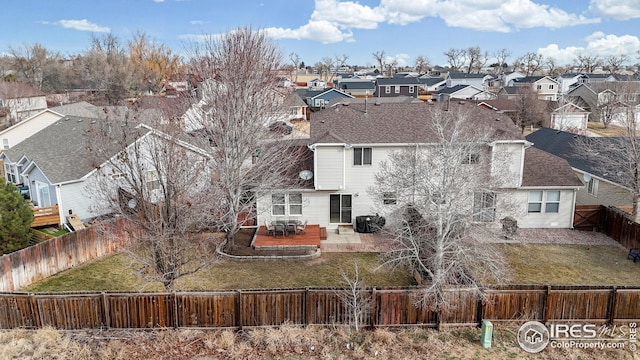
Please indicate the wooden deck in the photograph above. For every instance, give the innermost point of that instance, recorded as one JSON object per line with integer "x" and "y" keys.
{"x": 311, "y": 237}
{"x": 43, "y": 216}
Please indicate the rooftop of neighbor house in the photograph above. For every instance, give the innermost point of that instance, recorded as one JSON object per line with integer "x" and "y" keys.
{"x": 401, "y": 123}
{"x": 544, "y": 169}
{"x": 15, "y": 90}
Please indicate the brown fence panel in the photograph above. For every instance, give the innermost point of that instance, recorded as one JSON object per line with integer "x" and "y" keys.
{"x": 514, "y": 304}
{"x": 148, "y": 310}
{"x": 579, "y": 304}
{"x": 401, "y": 307}
{"x": 16, "y": 311}
{"x": 268, "y": 307}
{"x": 324, "y": 307}
{"x": 626, "y": 306}
{"x": 217, "y": 309}
{"x": 617, "y": 224}
{"x": 70, "y": 311}
{"x": 464, "y": 308}
{"x": 587, "y": 217}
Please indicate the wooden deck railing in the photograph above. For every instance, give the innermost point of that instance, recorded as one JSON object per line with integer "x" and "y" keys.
{"x": 46, "y": 215}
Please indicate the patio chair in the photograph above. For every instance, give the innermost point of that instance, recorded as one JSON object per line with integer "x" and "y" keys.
{"x": 301, "y": 227}
{"x": 634, "y": 253}
{"x": 279, "y": 228}
{"x": 270, "y": 228}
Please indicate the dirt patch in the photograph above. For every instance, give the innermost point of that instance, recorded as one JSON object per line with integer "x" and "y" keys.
{"x": 241, "y": 246}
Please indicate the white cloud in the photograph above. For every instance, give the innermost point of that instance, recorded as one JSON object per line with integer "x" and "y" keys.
{"x": 484, "y": 15}
{"x": 617, "y": 9}
{"x": 82, "y": 25}
{"x": 598, "y": 44}
{"x": 322, "y": 31}
{"x": 158, "y": 1}
{"x": 347, "y": 15}
{"x": 401, "y": 59}
{"x": 197, "y": 22}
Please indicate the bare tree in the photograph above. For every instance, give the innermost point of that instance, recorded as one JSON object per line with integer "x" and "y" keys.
{"x": 501, "y": 58}
{"x": 421, "y": 64}
{"x": 456, "y": 58}
{"x": 587, "y": 63}
{"x": 391, "y": 65}
{"x": 553, "y": 69}
{"x": 105, "y": 68}
{"x": 433, "y": 193}
{"x": 355, "y": 298}
{"x": 615, "y": 62}
{"x": 530, "y": 63}
{"x": 152, "y": 64}
{"x": 380, "y": 57}
{"x": 239, "y": 98}
{"x": 531, "y": 111}
{"x": 295, "y": 61}
{"x": 476, "y": 59}
{"x": 34, "y": 64}
{"x": 620, "y": 156}
{"x": 148, "y": 174}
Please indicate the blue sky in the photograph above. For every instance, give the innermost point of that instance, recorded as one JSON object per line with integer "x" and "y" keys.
{"x": 314, "y": 29}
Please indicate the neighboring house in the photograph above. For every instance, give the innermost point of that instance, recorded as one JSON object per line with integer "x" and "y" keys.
{"x": 356, "y": 86}
{"x": 570, "y": 80}
{"x": 477, "y": 80}
{"x": 607, "y": 100}
{"x": 349, "y": 143}
{"x": 600, "y": 187}
{"x": 544, "y": 86}
{"x": 503, "y": 106}
{"x": 509, "y": 92}
{"x": 316, "y": 84}
{"x": 319, "y": 99}
{"x": 397, "y": 86}
{"x": 506, "y": 78}
{"x": 18, "y": 102}
{"x": 56, "y": 166}
{"x": 462, "y": 92}
{"x": 570, "y": 117}
{"x": 17, "y": 133}
{"x": 431, "y": 84}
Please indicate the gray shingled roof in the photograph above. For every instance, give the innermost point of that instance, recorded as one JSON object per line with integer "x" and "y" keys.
{"x": 59, "y": 150}
{"x": 401, "y": 123}
{"x": 398, "y": 81}
{"x": 544, "y": 169}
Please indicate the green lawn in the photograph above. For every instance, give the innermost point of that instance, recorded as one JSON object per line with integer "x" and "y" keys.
{"x": 117, "y": 273}
{"x": 570, "y": 265}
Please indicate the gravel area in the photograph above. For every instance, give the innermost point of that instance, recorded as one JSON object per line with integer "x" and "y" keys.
{"x": 561, "y": 237}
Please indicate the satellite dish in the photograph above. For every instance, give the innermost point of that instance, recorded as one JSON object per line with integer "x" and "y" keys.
{"x": 306, "y": 174}
{"x": 132, "y": 203}
{"x": 586, "y": 177}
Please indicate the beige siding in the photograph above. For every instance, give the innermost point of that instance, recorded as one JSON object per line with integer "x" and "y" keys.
{"x": 607, "y": 194}
{"x": 506, "y": 164}
{"x": 329, "y": 167}
{"x": 562, "y": 219}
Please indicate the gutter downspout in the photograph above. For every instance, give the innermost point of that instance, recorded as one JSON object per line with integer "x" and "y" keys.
{"x": 573, "y": 213}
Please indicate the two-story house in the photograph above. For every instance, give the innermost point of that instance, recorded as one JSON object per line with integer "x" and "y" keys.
{"x": 477, "y": 80}
{"x": 397, "y": 86}
{"x": 351, "y": 141}
{"x": 544, "y": 86}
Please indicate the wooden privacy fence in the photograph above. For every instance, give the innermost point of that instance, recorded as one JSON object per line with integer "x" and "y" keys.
{"x": 23, "y": 267}
{"x": 313, "y": 306}
{"x": 617, "y": 224}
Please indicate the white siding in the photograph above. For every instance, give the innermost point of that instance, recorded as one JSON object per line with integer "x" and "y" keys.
{"x": 562, "y": 219}
{"x": 507, "y": 163}
{"x": 75, "y": 197}
{"x": 329, "y": 167}
{"x": 25, "y": 129}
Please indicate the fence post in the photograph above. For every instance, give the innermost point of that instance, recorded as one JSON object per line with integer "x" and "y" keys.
{"x": 37, "y": 321}
{"x": 479, "y": 308}
{"x": 612, "y": 305}
{"x": 374, "y": 308}
{"x": 304, "y": 306}
{"x": 105, "y": 310}
{"x": 174, "y": 296}
{"x": 239, "y": 316}
{"x": 547, "y": 305}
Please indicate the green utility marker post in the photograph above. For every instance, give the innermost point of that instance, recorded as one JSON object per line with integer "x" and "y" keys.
{"x": 487, "y": 333}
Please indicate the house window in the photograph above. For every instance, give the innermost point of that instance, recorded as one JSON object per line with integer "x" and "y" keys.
{"x": 411, "y": 89}
{"x": 484, "y": 206}
{"x": 471, "y": 158}
{"x": 539, "y": 87}
{"x": 397, "y": 89}
{"x": 550, "y": 86}
{"x": 152, "y": 179}
{"x": 539, "y": 200}
{"x": 549, "y": 97}
{"x": 389, "y": 198}
{"x": 387, "y": 89}
{"x": 592, "y": 187}
{"x": 361, "y": 156}
{"x": 286, "y": 204}
{"x": 5, "y": 144}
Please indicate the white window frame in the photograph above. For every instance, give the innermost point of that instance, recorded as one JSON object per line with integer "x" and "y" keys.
{"x": 152, "y": 179}
{"x": 592, "y": 186}
{"x": 544, "y": 201}
{"x": 471, "y": 158}
{"x": 288, "y": 204}
{"x": 397, "y": 89}
{"x": 538, "y": 87}
{"x": 361, "y": 159}
{"x": 551, "y": 86}
{"x": 5, "y": 143}
{"x": 387, "y": 89}
{"x": 412, "y": 89}
{"x": 389, "y": 198}
{"x": 484, "y": 206}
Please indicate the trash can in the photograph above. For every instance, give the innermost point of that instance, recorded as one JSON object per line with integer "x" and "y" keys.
{"x": 487, "y": 334}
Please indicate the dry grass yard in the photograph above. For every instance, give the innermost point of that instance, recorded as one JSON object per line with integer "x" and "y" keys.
{"x": 286, "y": 342}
